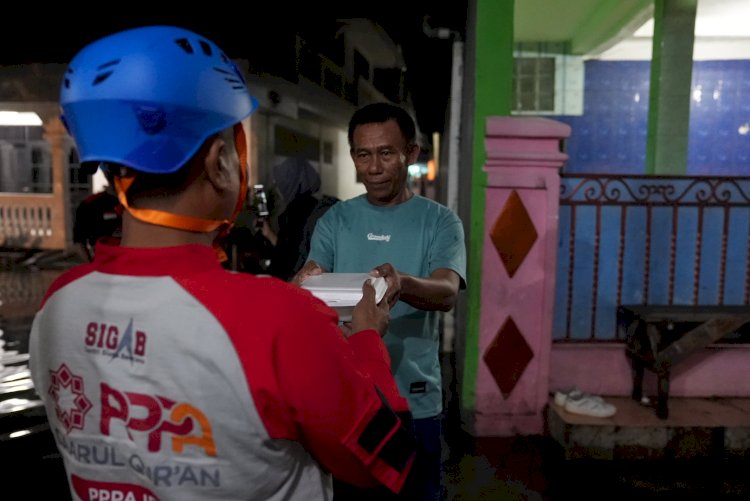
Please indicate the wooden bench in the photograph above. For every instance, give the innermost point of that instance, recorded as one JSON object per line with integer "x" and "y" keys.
{"x": 660, "y": 336}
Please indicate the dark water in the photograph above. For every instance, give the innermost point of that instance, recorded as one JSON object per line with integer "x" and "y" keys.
{"x": 31, "y": 465}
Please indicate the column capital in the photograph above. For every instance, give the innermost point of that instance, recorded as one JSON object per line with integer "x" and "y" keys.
{"x": 524, "y": 142}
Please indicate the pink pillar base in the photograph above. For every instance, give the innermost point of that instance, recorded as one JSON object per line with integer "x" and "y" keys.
{"x": 518, "y": 278}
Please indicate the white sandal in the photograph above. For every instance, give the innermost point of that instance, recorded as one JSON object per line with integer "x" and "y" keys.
{"x": 589, "y": 405}
{"x": 563, "y": 395}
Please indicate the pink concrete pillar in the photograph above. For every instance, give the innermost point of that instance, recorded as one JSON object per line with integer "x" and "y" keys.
{"x": 518, "y": 273}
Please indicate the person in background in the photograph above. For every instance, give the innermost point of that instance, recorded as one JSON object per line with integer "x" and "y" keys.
{"x": 298, "y": 183}
{"x": 165, "y": 376}
{"x": 418, "y": 246}
{"x": 247, "y": 249}
{"x": 98, "y": 215}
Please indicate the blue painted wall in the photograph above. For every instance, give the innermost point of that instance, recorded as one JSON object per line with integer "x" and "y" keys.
{"x": 610, "y": 137}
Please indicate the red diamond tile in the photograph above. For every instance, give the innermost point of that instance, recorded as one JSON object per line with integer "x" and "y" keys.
{"x": 513, "y": 233}
{"x": 507, "y": 357}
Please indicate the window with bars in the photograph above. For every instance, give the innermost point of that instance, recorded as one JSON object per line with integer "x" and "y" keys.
{"x": 534, "y": 84}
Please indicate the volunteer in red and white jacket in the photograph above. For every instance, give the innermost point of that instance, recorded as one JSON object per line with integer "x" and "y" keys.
{"x": 165, "y": 376}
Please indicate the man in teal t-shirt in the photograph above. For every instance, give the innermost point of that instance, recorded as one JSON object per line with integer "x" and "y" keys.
{"x": 418, "y": 246}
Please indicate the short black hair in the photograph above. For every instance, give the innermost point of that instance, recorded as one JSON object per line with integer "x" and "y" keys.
{"x": 382, "y": 112}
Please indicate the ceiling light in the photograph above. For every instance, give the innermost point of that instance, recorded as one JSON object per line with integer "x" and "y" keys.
{"x": 19, "y": 118}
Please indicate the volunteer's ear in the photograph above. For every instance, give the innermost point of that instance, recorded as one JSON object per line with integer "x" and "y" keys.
{"x": 217, "y": 168}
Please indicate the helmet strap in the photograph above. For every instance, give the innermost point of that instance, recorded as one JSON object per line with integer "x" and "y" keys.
{"x": 162, "y": 218}
{"x": 190, "y": 223}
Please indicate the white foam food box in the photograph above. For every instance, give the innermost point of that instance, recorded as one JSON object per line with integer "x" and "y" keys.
{"x": 342, "y": 291}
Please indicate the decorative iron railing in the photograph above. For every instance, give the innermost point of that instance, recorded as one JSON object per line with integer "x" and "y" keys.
{"x": 648, "y": 240}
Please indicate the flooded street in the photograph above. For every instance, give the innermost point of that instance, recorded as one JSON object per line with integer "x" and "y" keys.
{"x": 32, "y": 467}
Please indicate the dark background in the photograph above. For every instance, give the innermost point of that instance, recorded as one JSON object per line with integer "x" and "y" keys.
{"x": 263, "y": 34}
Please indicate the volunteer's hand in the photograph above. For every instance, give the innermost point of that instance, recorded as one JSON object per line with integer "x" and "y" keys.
{"x": 368, "y": 314}
{"x": 309, "y": 269}
{"x": 392, "y": 279}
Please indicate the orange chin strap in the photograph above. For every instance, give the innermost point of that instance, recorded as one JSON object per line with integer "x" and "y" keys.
{"x": 190, "y": 223}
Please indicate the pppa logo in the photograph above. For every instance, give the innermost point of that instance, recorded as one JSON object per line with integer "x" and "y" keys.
{"x": 155, "y": 416}
{"x": 106, "y": 339}
{"x": 71, "y": 404}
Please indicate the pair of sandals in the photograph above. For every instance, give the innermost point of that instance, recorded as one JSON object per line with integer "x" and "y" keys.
{"x": 576, "y": 401}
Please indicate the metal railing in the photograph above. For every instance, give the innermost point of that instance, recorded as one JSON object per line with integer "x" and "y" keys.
{"x": 26, "y": 221}
{"x": 647, "y": 240}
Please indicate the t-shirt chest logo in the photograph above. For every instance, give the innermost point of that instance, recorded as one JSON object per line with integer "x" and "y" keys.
{"x": 378, "y": 238}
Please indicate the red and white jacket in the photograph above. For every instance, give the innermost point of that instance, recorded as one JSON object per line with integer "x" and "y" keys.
{"x": 165, "y": 376}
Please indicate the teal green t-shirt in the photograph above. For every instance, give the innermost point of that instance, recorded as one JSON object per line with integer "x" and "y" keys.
{"x": 416, "y": 237}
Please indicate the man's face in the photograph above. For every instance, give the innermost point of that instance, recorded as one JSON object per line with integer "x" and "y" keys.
{"x": 382, "y": 157}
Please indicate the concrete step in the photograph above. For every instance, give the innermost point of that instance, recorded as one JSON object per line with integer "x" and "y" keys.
{"x": 697, "y": 428}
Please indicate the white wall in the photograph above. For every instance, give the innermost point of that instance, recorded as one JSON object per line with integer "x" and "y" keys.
{"x": 722, "y": 31}
{"x": 346, "y": 175}
{"x": 99, "y": 181}
{"x": 338, "y": 177}
{"x": 639, "y": 49}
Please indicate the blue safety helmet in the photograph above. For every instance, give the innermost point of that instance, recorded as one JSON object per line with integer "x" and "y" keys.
{"x": 149, "y": 97}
